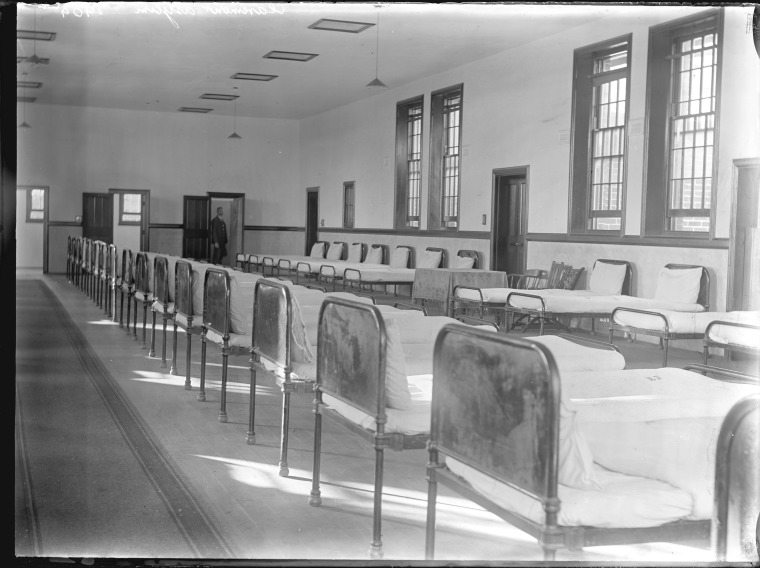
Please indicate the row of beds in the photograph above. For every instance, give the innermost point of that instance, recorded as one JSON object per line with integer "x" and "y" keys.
{"x": 679, "y": 309}
{"x": 552, "y": 433}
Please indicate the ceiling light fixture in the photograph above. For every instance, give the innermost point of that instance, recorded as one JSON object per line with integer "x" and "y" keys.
{"x": 377, "y": 83}
{"x": 24, "y": 124}
{"x": 234, "y": 135}
{"x": 339, "y": 26}
{"x": 34, "y": 60}
{"x": 253, "y": 77}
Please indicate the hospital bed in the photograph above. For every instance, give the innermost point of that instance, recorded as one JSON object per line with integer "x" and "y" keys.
{"x": 378, "y": 384}
{"x": 680, "y": 287}
{"x": 126, "y": 285}
{"x": 732, "y": 336}
{"x": 275, "y": 263}
{"x": 186, "y": 287}
{"x": 141, "y": 293}
{"x": 671, "y": 325}
{"x": 576, "y": 459}
{"x": 163, "y": 301}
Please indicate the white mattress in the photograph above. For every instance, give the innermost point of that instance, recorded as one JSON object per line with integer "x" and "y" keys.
{"x": 410, "y": 422}
{"x": 623, "y": 502}
{"x": 589, "y": 303}
{"x": 682, "y": 322}
{"x": 572, "y": 357}
{"x": 667, "y": 420}
{"x": 299, "y": 371}
{"x": 727, "y": 334}
{"x": 382, "y": 273}
{"x": 239, "y": 340}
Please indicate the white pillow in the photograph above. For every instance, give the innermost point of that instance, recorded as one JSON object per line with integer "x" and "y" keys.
{"x": 374, "y": 256}
{"x": 335, "y": 251}
{"x": 430, "y": 259}
{"x": 678, "y": 285}
{"x": 464, "y": 262}
{"x": 354, "y": 253}
{"x": 318, "y": 250}
{"x": 397, "y": 393}
{"x": 607, "y": 279}
{"x": 400, "y": 258}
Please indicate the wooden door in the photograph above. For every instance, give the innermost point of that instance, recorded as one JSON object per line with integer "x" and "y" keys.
{"x": 196, "y": 224}
{"x": 97, "y": 217}
{"x": 744, "y": 242}
{"x": 312, "y": 217}
{"x": 508, "y": 222}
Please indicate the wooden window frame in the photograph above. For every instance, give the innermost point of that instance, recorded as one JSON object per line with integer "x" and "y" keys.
{"x": 659, "y": 118}
{"x": 122, "y": 193}
{"x": 29, "y": 210}
{"x": 349, "y": 204}
{"x": 582, "y": 128}
{"x": 436, "y": 189}
{"x": 402, "y": 219}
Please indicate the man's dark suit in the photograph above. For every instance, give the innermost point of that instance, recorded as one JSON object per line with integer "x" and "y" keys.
{"x": 218, "y": 236}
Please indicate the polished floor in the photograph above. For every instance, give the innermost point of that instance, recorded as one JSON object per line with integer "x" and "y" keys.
{"x": 116, "y": 460}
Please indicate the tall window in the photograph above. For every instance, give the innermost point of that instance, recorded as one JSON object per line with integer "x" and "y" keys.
{"x": 130, "y": 208}
{"x": 684, "y": 74}
{"x": 445, "y": 157}
{"x": 408, "y": 163}
{"x": 600, "y": 116}
{"x": 35, "y": 205}
{"x": 348, "y": 204}
{"x": 693, "y": 132}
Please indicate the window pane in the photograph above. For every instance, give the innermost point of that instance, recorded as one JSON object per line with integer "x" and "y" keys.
{"x": 131, "y": 203}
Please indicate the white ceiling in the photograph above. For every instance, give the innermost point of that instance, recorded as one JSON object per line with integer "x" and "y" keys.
{"x": 134, "y": 55}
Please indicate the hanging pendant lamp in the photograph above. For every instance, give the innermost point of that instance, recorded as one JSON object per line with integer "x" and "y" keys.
{"x": 24, "y": 124}
{"x": 377, "y": 83}
{"x": 33, "y": 59}
{"x": 234, "y": 135}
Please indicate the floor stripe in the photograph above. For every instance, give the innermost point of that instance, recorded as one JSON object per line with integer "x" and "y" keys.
{"x": 199, "y": 532}
{"x": 30, "y": 511}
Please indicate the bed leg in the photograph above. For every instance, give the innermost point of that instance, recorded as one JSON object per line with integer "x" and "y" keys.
{"x": 315, "y": 497}
{"x": 145, "y": 322}
{"x": 202, "y": 391}
{"x": 121, "y": 310}
{"x": 250, "y": 437}
{"x": 173, "y": 370}
{"x": 189, "y": 336}
{"x": 666, "y": 344}
{"x": 284, "y": 471}
{"x": 223, "y": 397}
{"x": 163, "y": 343}
{"x": 431, "y": 502}
{"x": 152, "y": 351}
{"x": 705, "y": 354}
{"x": 549, "y": 554}
{"x": 376, "y": 546}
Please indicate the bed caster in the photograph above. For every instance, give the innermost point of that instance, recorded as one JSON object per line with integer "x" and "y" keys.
{"x": 315, "y": 499}
{"x": 250, "y": 439}
{"x": 202, "y": 397}
{"x": 223, "y": 417}
{"x": 284, "y": 471}
{"x": 375, "y": 550}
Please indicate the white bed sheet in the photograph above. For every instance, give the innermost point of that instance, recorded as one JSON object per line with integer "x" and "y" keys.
{"x": 683, "y": 322}
{"x": 380, "y": 274}
{"x": 410, "y": 422}
{"x": 623, "y": 502}
{"x": 592, "y": 304}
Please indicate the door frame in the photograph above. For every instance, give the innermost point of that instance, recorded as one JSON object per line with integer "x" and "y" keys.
{"x": 310, "y": 190}
{"x": 45, "y": 219}
{"x": 742, "y": 163}
{"x": 229, "y": 195}
{"x": 513, "y": 171}
{"x": 144, "y": 213}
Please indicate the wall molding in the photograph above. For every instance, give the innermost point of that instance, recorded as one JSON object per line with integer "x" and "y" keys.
{"x": 64, "y": 224}
{"x": 272, "y": 228}
{"x": 412, "y": 233}
{"x": 677, "y": 242}
{"x": 166, "y": 226}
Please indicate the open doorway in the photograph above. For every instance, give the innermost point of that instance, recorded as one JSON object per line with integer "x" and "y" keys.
{"x": 312, "y": 217}
{"x": 233, "y": 207}
{"x": 509, "y": 215}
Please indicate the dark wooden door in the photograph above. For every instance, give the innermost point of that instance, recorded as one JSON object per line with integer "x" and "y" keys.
{"x": 508, "y": 231}
{"x": 196, "y": 224}
{"x": 312, "y": 217}
{"x": 97, "y": 217}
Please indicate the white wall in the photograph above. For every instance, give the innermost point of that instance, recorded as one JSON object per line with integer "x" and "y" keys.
{"x": 75, "y": 150}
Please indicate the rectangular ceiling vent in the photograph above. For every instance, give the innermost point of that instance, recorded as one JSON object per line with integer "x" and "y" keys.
{"x": 26, "y": 99}
{"x": 194, "y": 109}
{"x": 28, "y": 84}
{"x": 253, "y": 76}
{"x": 34, "y": 34}
{"x": 340, "y": 26}
{"x": 290, "y": 55}
{"x": 218, "y": 97}
{"x": 40, "y": 60}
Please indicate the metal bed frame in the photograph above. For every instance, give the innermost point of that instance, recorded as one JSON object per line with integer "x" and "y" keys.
{"x": 183, "y": 316}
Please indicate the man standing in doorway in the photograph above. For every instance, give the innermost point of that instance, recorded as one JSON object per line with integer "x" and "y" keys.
{"x": 218, "y": 237}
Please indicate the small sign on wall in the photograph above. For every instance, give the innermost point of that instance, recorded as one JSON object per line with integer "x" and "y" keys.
{"x": 564, "y": 136}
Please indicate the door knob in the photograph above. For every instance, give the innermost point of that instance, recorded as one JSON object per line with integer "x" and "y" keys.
{"x": 516, "y": 244}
